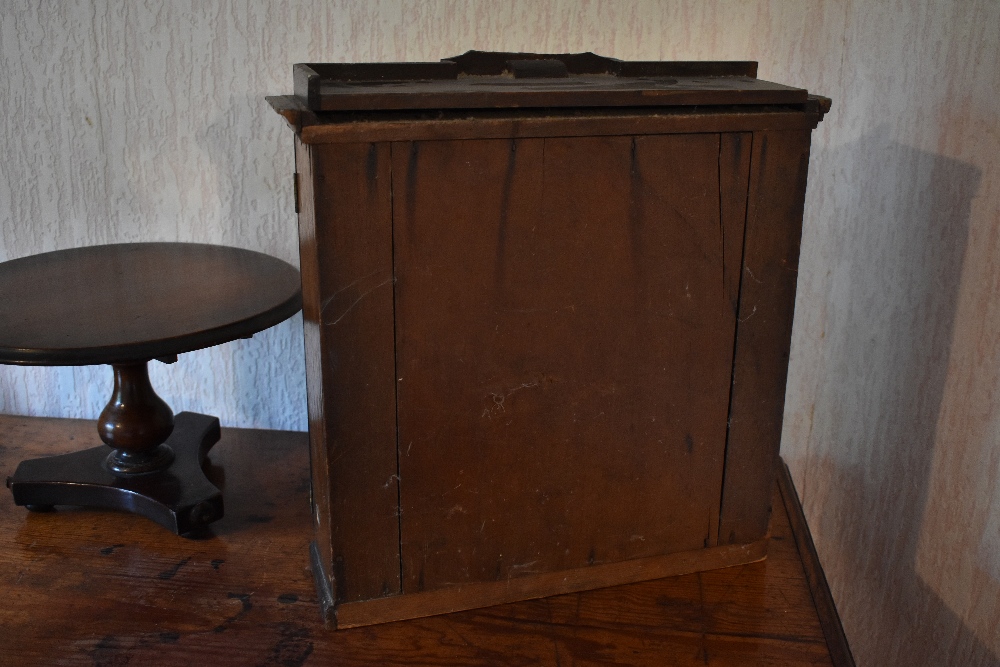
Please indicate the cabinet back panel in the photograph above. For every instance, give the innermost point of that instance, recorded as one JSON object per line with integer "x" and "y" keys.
{"x": 564, "y": 342}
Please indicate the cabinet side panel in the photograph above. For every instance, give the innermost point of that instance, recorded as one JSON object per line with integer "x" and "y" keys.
{"x": 352, "y": 195}
{"x": 565, "y": 349}
{"x": 309, "y": 269}
{"x": 778, "y": 169}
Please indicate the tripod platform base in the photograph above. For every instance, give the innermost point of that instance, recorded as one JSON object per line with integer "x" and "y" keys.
{"x": 179, "y": 497}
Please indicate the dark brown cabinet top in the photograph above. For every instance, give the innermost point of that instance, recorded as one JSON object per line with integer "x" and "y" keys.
{"x": 484, "y": 80}
{"x": 482, "y": 95}
{"x": 138, "y": 301}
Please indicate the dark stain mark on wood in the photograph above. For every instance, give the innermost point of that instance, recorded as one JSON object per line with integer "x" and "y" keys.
{"x": 591, "y": 557}
{"x": 292, "y": 649}
{"x": 737, "y": 153}
{"x": 411, "y": 181}
{"x": 107, "y": 653}
{"x": 288, "y": 598}
{"x": 169, "y": 574}
{"x": 763, "y": 151}
{"x": 246, "y": 605}
{"x": 107, "y": 551}
{"x": 216, "y": 562}
{"x": 259, "y": 518}
{"x": 635, "y": 206}
{"x": 505, "y": 194}
{"x": 722, "y": 217}
{"x": 371, "y": 167}
{"x": 687, "y": 611}
{"x": 689, "y": 443}
{"x": 169, "y": 637}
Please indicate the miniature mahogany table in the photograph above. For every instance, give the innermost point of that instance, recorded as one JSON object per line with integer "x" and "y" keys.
{"x": 125, "y": 305}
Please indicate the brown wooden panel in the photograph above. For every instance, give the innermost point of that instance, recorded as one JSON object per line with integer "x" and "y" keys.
{"x": 764, "y": 325}
{"x": 309, "y": 269}
{"x": 349, "y": 337}
{"x": 564, "y": 346}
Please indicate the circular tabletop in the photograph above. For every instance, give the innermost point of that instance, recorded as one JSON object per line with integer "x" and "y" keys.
{"x": 138, "y": 301}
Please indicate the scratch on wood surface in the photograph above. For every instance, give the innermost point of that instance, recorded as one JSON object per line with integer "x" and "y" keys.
{"x": 500, "y": 397}
{"x": 569, "y": 307}
{"x": 358, "y": 300}
{"x": 345, "y": 287}
{"x": 169, "y": 574}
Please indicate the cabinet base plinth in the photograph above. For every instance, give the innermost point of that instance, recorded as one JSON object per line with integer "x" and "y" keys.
{"x": 486, "y": 594}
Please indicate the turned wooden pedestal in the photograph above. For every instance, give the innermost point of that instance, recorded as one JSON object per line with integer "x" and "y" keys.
{"x": 125, "y": 305}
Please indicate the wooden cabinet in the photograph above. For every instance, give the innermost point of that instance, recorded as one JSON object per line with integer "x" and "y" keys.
{"x": 548, "y": 303}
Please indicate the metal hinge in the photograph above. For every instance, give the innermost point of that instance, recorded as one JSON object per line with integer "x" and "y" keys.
{"x": 295, "y": 188}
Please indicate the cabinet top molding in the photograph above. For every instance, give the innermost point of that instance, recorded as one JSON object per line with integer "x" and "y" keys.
{"x": 495, "y": 80}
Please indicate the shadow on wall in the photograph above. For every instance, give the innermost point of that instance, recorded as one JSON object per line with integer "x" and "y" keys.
{"x": 890, "y": 310}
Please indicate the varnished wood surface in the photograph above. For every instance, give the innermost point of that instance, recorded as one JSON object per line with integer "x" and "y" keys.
{"x": 138, "y": 301}
{"x": 488, "y": 92}
{"x": 345, "y": 225}
{"x": 777, "y": 188}
{"x": 102, "y": 588}
{"x": 531, "y": 123}
{"x": 562, "y": 339}
{"x": 475, "y": 595}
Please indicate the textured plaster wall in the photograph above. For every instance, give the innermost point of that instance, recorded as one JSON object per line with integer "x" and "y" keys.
{"x": 892, "y": 421}
{"x": 146, "y": 121}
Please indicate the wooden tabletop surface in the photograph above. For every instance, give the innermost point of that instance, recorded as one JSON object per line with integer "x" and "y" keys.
{"x": 106, "y": 588}
{"x": 138, "y": 301}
